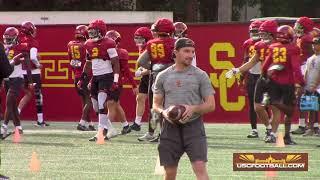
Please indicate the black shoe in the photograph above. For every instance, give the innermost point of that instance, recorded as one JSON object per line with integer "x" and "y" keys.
{"x": 2, "y": 177}
{"x": 42, "y": 124}
{"x": 268, "y": 133}
{"x": 156, "y": 139}
{"x": 288, "y": 141}
{"x": 91, "y": 128}
{"x": 300, "y": 130}
{"x": 3, "y": 137}
{"x": 270, "y": 139}
{"x": 95, "y": 138}
{"x": 253, "y": 134}
{"x": 82, "y": 127}
{"x": 135, "y": 127}
{"x": 126, "y": 130}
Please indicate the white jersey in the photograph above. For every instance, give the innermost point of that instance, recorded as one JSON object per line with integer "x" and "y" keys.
{"x": 100, "y": 66}
{"x": 256, "y": 69}
{"x": 17, "y": 71}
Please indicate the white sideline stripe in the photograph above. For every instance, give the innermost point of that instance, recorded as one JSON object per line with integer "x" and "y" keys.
{"x": 179, "y": 174}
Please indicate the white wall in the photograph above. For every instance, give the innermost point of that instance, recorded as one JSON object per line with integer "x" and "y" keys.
{"x": 82, "y": 17}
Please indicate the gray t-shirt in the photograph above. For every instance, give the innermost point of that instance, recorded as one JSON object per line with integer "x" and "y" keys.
{"x": 312, "y": 75}
{"x": 189, "y": 87}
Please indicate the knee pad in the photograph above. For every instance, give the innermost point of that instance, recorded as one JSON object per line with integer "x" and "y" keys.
{"x": 102, "y": 97}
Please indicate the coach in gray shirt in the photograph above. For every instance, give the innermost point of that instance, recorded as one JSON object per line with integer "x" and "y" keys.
{"x": 183, "y": 84}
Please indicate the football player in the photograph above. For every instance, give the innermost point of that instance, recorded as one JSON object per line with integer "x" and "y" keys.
{"x": 267, "y": 33}
{"x": 282, "y": 69}
{"x": 141, "y": 36}
{"x": 157, "y": 57}
{"x": 180, "y": 31}
{"x": 303, "y": 32}
{"x": 16, "y": 53}
{"x": 27, "y": 35}
{"x": 125, "y": 75}
{"x": 104, "y": 61}
{"x": 253, "y": 75}
{"x": 77, "y": 57}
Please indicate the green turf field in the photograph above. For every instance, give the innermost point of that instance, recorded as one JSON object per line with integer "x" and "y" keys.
{"x": 66, "y": 153}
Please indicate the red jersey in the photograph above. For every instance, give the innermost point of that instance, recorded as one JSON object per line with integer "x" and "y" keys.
{"x": 305, "y": 45}
{"x": 125, "y": 74}
{"x": 77, "y": 56}
{"x": 31, "y": 43}
{"x": 161, "y": 50}
{"x": 100, "y": 52}
{"x": 287, "y": 55}
{"x": 12, "y": 51}
{"x": 249, "y": 48}
{"x": 261, "y": 49}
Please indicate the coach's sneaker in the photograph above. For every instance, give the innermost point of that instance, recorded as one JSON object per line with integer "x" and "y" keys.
{"x": 135, "y": 127}
{"x": 126, "y": 130}
{"x": 112, "y": 133}
{"x": 271, "y": 139}
{"x": 288, "y": 141}
{"x": 42, "y": 124}
{"x": 146, "y": 137}
{"x": 253, "y": 134}
{"x": 300, "y": 130}
{"x": 82, "y": 127}
{"x": 91, "y": 128}
{"x": 308, "y": 132}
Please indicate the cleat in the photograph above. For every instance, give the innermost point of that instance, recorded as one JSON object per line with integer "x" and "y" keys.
{"x": 82, "y": 128}
{"x": 91, "y": 128}
{"x": 126, "y": 130}
{"x": 253, "y": 134}
{"x": 308, "y": 132}
{"x": 268, "y": 131}
{"x": 94, "y": 138}
{"x": 135, "y": 127}
{"x": 155, "y": 139}
{"x": 41, "y": 124}
{"x": 300, "y": 130}
{"x": 288, "y": 141}
{"x": 111, "y": 133}
{"x": 146, "y": 137}
{"x": 270, "y": 139}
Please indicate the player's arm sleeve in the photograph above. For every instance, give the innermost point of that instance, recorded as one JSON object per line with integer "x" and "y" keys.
{"x": 206, "y": 88}
{"x": 144, "y": 60}
{"x": 34, "y": 56}
{"x": 112, "y": 52}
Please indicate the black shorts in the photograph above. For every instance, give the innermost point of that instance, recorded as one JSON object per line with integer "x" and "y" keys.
{"x": 280, "y": 93}
{"x": 14, "y": 84}
{"x": 115, "y": 95}
{"x": 84, "y": 88}
{"x": 144, "y": 84}
{"x": 101, "y": 83}
{"x": 262, "y": 86}
{"x": 36, "y": 78}
{"x": 175, "y": 140}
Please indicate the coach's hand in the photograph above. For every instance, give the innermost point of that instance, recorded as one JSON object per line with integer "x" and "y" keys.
{"x": 187, "y": 114}
{"x": 165, "y": 115}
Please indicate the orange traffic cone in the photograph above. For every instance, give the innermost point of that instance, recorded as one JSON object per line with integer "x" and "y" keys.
{"x": 34, "y": 163}
{"x": 16, "y": 136}
{"x": 271, "y": 175}
{"x": 100, "y": 137}
{"x": 280, "y": 141}
{"x": 158, "y": 169}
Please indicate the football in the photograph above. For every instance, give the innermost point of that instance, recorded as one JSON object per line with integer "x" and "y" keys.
{"x": 175, "y": 113}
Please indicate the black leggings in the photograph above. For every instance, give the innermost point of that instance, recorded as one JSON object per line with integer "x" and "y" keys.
{"x": 252, "y": 80}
